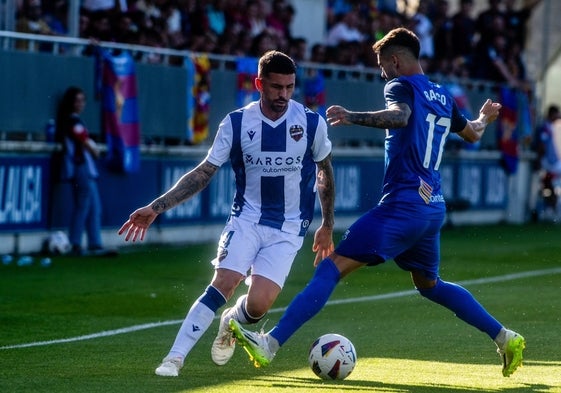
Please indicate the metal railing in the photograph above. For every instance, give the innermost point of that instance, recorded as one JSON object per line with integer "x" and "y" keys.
{"x": 77, "y": 46}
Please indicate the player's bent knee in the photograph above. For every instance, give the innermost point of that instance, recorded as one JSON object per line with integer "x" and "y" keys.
{"x": 422, "y": 282}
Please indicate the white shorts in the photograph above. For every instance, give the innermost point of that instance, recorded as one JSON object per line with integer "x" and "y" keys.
{"x": 247, "y": 247}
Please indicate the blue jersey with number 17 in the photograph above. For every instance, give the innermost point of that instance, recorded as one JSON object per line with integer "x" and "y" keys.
{"x": 413, "y": 153}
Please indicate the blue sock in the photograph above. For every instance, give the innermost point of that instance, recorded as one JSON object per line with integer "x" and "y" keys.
{"x": 212, "y": 298}
{"x": 308, "y": 302}
{"x": 458, "y": 300}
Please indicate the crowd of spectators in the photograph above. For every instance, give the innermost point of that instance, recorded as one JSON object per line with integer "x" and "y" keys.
{"x": 488, "y": 45}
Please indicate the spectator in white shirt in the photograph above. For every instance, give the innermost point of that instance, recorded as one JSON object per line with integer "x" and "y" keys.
{"x": 346, "y": 30}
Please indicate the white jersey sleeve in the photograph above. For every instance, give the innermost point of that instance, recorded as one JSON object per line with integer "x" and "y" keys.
{"x": 219, "y": 152}
{"x": 321, "y": 146}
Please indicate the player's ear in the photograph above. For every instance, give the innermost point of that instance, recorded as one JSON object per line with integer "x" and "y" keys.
{"x": 259, "y": 84}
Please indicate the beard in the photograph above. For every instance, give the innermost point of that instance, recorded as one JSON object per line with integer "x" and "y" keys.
{"x": 279, "y": 106}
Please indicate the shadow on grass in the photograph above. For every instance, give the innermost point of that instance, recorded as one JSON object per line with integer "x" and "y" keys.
{"x": 353, "y": 385}
{"x": 293, "y": 384}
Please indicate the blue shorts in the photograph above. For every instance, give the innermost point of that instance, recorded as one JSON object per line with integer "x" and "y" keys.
{"x": 383, "y": 233}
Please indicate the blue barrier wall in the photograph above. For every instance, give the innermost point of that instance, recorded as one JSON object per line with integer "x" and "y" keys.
{"x": 32, "y": 84}
{"x": 24, "y": 193}
{"x": 28, "y": 201}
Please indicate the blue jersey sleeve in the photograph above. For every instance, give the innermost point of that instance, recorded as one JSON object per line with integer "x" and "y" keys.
{"x": 458, "y": 119}
{"x": 396, "y": 91}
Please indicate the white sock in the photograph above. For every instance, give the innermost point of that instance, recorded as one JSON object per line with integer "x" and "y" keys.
{"x": 273, "y": 344}
{"x": 501, "y": 338}
{"x": 239, "y": 312}
{"x": 197, "y": 321}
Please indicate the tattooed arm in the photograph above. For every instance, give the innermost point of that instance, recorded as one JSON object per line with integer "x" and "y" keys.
{"x": 323, "y": 238}
{"x": 396, "y": 116}
{"x": 326, "y": 191}
{"x": 189, "y": 185}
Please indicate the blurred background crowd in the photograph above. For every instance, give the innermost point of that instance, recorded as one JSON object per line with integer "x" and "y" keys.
{"x": 488, "y": 44}
{"x": 476, "y": 48}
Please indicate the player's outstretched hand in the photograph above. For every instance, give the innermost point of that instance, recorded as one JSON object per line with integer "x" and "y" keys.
{"x": 337, "y": 115}
{"x": 490, "y": 110}
{"x": 323, "y": 244}
{"x": 136, "y": 226}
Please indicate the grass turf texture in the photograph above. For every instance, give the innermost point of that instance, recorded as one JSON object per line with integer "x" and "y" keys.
{"x": 404, "y": 344}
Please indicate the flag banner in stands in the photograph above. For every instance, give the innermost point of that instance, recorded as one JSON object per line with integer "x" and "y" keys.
{"x": 514, "y": 126}
{"x": 120, "y": 111}
{"x": 201, "y": 97}
{"x": 247, "y": 72}
{"x": 314, "y": 91}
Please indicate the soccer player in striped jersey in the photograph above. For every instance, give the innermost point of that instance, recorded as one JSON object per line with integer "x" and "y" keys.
{"x": 281, "y": 157}
{"x": 405, "y": 225}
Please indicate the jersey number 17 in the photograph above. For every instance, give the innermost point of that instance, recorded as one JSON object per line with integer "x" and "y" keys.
{"x": 434, "y": 122}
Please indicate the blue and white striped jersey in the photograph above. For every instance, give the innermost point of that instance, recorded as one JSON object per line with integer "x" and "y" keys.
{"x": 274, "y": 164}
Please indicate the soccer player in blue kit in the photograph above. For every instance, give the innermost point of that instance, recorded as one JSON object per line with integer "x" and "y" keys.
{"x": 405, "y": 225}
{"x": 281, "y": 157}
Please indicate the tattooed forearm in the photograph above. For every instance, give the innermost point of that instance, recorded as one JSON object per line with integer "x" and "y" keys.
{"x": 160, "y": 206}
{"x": 190, "y": 184}
{"x": 326, "y": 191}
{"x": 395, "y": 117}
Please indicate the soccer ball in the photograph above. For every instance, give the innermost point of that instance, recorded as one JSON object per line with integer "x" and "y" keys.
{"x": 58, "y": 243}
{"x": 332, "y": 356}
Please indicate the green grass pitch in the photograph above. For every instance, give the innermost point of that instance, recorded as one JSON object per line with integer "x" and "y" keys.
{"x": 103, "y": 324}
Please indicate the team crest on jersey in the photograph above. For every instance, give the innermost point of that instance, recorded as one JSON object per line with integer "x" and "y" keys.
{"x": 296, "y": 132}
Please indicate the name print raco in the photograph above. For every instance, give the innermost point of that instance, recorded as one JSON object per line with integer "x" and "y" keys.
{"x": 431, "y": 95}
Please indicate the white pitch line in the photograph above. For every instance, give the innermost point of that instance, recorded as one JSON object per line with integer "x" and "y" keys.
{"x": 107, "y": 333}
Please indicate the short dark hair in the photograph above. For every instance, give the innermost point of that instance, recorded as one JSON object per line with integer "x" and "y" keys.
{"x": 553, "y": 111}
{"x": 399, "y": 38}
{"x": 276, "y": 62}
{"x": 65, "y": 110}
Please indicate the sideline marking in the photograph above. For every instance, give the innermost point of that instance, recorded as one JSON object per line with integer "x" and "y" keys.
{"x": 391, "y": 295}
